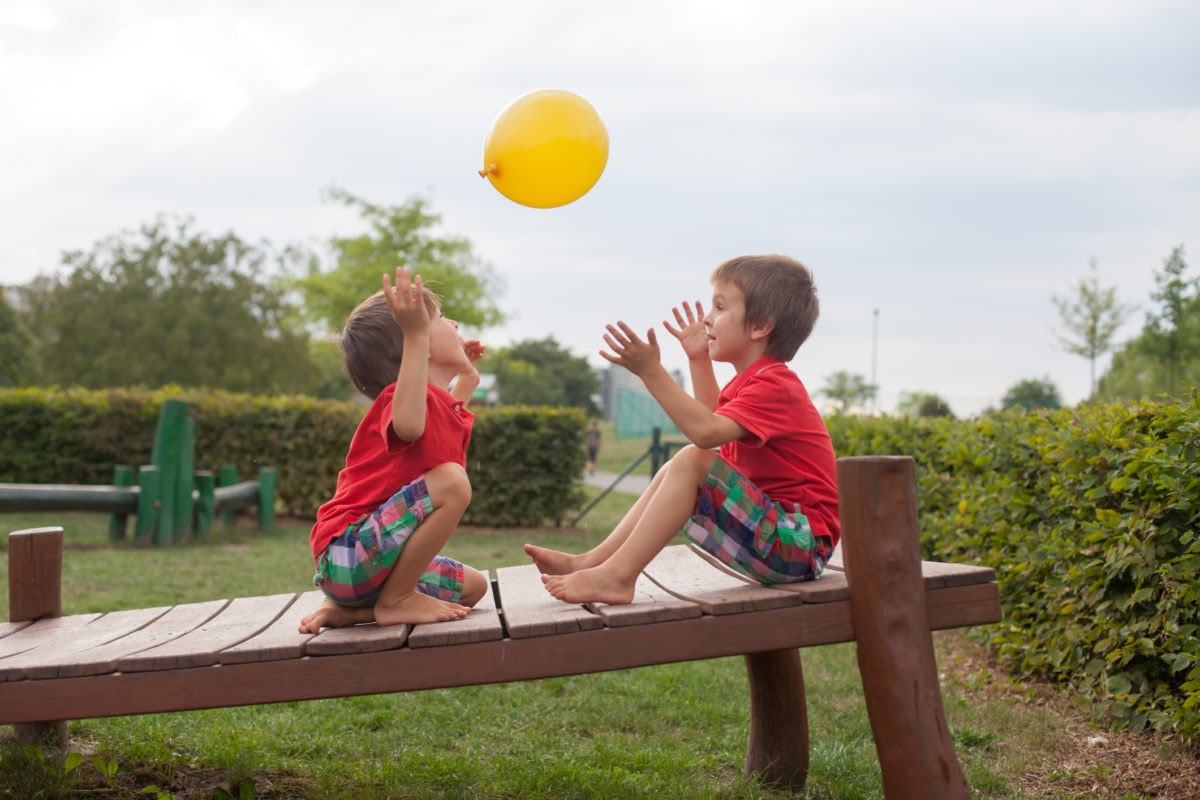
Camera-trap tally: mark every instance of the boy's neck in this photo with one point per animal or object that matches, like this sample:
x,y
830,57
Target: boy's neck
x,y
755,352
440,377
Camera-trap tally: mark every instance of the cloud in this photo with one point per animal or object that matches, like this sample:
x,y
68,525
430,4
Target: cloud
x,y
951,165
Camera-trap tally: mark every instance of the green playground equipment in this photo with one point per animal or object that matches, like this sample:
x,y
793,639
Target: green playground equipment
x,y
172,501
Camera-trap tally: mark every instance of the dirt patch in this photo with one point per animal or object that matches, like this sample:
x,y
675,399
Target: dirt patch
x,y
179,782
1086,761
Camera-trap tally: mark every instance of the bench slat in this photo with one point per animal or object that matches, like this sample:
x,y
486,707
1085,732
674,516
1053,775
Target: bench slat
x,y
685,575
173,624
481,625
940,573
239,620
830,587
281,639
651,603
937,573
370,638
46,662
12,627
529,610
43,632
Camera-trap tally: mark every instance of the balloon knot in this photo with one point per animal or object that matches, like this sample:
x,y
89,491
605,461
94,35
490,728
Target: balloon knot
x,y
491,170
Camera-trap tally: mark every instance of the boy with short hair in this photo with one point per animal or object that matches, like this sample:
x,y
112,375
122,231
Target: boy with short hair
x,y
404,488
766,503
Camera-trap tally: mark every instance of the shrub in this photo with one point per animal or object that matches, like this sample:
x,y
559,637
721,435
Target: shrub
x,y
1089,517
523,462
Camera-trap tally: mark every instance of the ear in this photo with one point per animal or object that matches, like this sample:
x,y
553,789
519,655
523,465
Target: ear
x,y
761,330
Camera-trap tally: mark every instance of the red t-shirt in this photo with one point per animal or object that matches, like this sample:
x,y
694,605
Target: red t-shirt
x,y
379,463
786,451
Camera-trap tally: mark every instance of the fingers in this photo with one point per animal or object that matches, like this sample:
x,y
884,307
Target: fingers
x,y
473,348
620,336
405,290
693,314
689,316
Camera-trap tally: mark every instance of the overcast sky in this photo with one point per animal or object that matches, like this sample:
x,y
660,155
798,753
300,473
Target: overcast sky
x,y
953,165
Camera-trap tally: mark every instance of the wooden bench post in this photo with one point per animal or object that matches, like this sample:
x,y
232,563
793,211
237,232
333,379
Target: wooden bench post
x,y
35,592
881,553
778,747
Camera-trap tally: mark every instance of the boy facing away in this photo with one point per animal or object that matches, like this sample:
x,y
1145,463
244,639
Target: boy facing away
x,y
766,503
404,488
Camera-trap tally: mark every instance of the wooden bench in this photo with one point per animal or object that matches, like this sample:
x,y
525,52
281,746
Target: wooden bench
x,y
247,651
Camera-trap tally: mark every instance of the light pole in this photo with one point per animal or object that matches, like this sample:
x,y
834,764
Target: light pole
x,y
874,357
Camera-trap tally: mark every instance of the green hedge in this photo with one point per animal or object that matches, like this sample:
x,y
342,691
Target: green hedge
x,y
1090,518
523,462
524,465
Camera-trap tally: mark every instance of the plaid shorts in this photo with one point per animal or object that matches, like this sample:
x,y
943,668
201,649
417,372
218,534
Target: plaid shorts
x,y
742,528
354,566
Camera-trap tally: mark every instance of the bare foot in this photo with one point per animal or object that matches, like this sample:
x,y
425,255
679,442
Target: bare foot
x,y
334,615
415,608
593,585
553,562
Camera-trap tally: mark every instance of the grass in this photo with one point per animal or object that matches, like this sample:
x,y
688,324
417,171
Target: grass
x,y
674,731
617,454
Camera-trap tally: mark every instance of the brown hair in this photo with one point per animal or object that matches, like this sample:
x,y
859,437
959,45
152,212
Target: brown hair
x,y
372,343
778,290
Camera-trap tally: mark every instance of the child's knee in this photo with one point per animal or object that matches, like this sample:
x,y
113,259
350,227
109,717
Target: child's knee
x,y
475,586
449,486
694,461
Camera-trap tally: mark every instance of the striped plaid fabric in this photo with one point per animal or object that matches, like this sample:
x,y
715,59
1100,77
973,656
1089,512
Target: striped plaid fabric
x,y
739,526
353,568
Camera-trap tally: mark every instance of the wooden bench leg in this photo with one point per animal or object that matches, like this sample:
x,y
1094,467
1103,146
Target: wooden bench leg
x,y
778,747
35,592
881,550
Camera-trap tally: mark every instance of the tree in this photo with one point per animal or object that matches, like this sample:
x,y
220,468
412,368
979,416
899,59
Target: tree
x,y
1031,393
15,345
166,305
847,390
399,235
1091,318
923,404
1164,359
540,372
1166,337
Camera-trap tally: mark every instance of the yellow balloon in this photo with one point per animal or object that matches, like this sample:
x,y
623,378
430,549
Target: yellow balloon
x,y
546,149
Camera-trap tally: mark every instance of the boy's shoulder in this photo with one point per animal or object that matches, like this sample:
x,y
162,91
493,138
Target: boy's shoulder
x,y
772,383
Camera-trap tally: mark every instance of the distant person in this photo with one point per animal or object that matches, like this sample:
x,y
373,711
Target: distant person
x,y
766,504
404,488
592,444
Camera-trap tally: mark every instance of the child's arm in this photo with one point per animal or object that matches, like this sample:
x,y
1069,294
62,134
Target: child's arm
x,y
693,336
468,379
697,422
406,301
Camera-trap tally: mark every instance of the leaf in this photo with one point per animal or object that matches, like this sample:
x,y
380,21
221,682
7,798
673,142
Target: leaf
x,y
72,761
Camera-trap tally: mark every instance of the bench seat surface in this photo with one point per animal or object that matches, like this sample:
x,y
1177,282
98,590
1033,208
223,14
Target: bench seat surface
x,y
247,650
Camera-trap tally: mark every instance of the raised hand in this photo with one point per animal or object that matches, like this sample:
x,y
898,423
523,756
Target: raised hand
x,y
468,376
691,331
474,349
628,350
406,300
